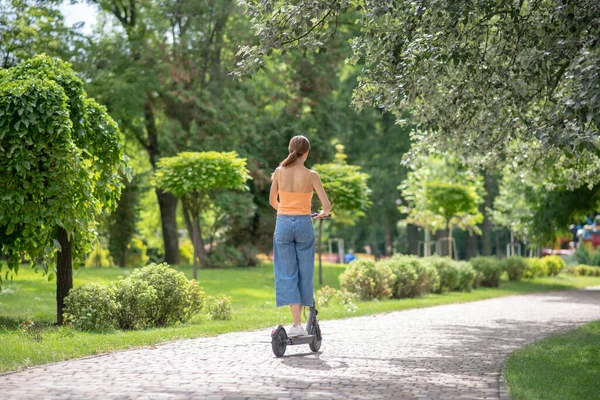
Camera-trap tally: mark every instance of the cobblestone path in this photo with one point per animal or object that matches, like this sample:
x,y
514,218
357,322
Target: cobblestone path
x,y
446,352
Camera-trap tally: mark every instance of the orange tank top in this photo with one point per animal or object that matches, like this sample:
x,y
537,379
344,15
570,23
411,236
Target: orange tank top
x,y
295,203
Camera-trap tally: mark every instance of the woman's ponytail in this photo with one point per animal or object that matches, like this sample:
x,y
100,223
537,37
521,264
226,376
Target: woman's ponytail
x,y
299,145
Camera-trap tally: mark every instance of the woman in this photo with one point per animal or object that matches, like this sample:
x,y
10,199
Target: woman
x,y
294,238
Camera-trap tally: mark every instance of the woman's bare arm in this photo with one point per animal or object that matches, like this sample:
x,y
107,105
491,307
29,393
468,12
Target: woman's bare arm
x,y
274,190
318,185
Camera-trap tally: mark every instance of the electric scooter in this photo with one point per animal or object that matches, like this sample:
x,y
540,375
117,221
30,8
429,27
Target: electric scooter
x,y
280,340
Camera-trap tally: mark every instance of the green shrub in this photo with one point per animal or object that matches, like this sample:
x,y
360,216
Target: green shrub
x,y
535,269
327,295
466,276
488,271
448,272
177,298
583,256
135,299
515,267
186,252
584,270
99,257
368,280
91,307
218,308
414,276
554,264
225,256
136,253
595,259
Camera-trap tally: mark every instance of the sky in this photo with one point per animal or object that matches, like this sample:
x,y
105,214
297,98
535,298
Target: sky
x,y
79,12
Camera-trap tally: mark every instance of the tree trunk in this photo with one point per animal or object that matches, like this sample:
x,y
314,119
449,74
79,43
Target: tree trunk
x,y
168,216
442,234
413,239
472,248
388,237
427,243
486,228
199,251
64,272
319,248
450,240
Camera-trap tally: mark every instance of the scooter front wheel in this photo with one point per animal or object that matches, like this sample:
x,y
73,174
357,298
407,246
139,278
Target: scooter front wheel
x,y
315,345
279,341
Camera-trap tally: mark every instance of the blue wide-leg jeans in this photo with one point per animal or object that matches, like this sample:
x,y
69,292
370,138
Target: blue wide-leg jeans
x,y
294,260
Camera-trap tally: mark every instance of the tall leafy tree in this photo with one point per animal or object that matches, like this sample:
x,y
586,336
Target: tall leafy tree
x,y
489,79
61,167
197,178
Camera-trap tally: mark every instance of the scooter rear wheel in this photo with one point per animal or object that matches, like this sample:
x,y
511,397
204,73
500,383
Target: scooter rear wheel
x,y
279,342
315,345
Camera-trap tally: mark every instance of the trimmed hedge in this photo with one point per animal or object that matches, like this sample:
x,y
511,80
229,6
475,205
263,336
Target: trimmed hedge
x,y
584,270
368,280
155,295
535,269
515,267
554,264
488,271
414,276
454,275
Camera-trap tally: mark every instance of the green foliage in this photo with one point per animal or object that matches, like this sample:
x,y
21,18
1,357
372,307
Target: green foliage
x,y
99,257
135,298
346,187
62,165
584,270
438,191
454,275
226,256
368,280
583,256
488,270
554,264
122,221
177,299
535,268
414,276
490,93
218,307
197,177
91,307
136,253
329,296
186,251
515,267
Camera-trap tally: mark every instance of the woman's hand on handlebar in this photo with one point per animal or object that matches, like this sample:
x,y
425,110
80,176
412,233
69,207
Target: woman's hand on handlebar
x,y
320,215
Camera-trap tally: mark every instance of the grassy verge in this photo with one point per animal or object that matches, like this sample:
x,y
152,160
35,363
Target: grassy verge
x,y
31,296
559,367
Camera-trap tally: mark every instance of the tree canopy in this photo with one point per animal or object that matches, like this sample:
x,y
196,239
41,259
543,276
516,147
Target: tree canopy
x,y
489,80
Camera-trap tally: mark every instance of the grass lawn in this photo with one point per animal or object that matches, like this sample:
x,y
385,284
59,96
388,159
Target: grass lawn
x,y
558,367
31,296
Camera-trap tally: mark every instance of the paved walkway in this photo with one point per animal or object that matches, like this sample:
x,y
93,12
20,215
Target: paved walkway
x,y
446,352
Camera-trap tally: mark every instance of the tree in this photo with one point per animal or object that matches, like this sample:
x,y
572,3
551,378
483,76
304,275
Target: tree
x,y
490,80
60,170
424,195
196,178
347,190
455,203
30,27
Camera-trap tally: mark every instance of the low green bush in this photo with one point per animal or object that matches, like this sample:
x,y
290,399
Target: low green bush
x,y
91,307
135,299
177,298
136,253
368,280
583,256
218,307
414,276
224,256
515,267
554,264
466,276
186,252
535,269
488,271
454,275
584,270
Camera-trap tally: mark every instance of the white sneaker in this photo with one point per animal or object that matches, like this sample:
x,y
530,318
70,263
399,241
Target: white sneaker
x,y
297,331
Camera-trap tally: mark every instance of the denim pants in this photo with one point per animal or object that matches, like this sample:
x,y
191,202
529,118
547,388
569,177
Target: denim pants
x,y
294,260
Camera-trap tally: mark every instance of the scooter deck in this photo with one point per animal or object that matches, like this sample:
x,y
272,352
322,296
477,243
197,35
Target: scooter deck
x,y
300,339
